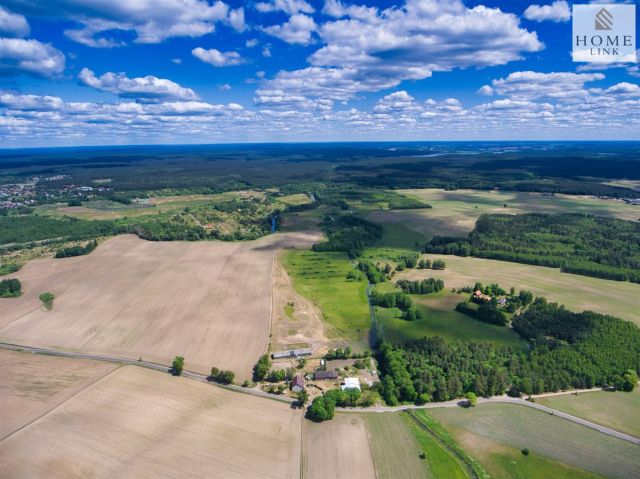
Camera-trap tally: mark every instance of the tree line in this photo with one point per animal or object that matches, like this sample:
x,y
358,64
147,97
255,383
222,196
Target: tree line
x,y
426,286
77,250
582,244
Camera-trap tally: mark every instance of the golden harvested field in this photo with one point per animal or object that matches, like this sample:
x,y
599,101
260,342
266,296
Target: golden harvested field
x,y
454,213
577,293
207,301
337,449
32,385
137,423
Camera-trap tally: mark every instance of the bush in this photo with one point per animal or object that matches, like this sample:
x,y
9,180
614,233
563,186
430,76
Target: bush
x,y
261,368
10,288
525,451
221,376
47,300
177,366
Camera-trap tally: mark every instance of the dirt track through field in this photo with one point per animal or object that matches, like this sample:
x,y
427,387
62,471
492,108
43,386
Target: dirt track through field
x,y
207,301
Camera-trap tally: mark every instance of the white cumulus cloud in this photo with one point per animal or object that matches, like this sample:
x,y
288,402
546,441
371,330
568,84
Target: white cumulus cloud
x,y
556,12
18,55
12,24
148,88
290,7
297,29
217,58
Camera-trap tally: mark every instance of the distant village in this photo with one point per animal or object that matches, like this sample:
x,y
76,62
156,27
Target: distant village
x,y
35,191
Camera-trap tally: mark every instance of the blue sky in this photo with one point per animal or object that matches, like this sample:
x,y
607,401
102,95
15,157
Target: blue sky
x,y
91,72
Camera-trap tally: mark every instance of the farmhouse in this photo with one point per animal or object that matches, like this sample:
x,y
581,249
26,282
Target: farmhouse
x,y
350,383
477,294
293,353
318,375
297,384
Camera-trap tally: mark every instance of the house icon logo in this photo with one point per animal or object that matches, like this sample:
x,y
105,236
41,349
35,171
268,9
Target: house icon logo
x,y
604,20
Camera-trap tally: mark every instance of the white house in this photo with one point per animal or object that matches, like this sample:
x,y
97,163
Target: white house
x,y
350,383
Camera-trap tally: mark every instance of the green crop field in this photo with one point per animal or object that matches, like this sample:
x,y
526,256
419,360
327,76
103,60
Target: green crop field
x,y
487,429
440,319
441,463
454,213
321,277
394,448
577,293
619,410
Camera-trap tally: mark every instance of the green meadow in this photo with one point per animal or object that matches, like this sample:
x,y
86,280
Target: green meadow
x,y
495,433
440,319
321,277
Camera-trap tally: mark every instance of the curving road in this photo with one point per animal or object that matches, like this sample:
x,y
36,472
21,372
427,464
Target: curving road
x,y
507,400
372,409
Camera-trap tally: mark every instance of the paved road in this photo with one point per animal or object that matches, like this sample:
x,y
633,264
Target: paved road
x,y
374,409
507,400
144,364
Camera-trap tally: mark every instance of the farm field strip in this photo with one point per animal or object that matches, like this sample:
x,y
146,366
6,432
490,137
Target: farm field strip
x,y
337,449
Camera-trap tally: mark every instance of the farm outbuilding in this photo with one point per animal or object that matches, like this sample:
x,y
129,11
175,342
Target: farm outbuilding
x,y
318,375
292,353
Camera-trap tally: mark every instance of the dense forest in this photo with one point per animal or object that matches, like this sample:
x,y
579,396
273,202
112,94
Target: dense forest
x,y
567,350
349,234
398,300
25,229
582,244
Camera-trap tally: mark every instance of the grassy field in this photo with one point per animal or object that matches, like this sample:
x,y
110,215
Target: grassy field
x,y
204,301
145,424
321,277
486,430
439,462
576,292
394,448
620,410
454,213
440,319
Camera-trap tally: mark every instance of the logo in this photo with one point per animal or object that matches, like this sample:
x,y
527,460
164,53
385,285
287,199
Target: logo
x,y
604,33
604,20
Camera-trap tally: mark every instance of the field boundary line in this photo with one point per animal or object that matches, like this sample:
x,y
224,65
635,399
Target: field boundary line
x,y
62,403
467,465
